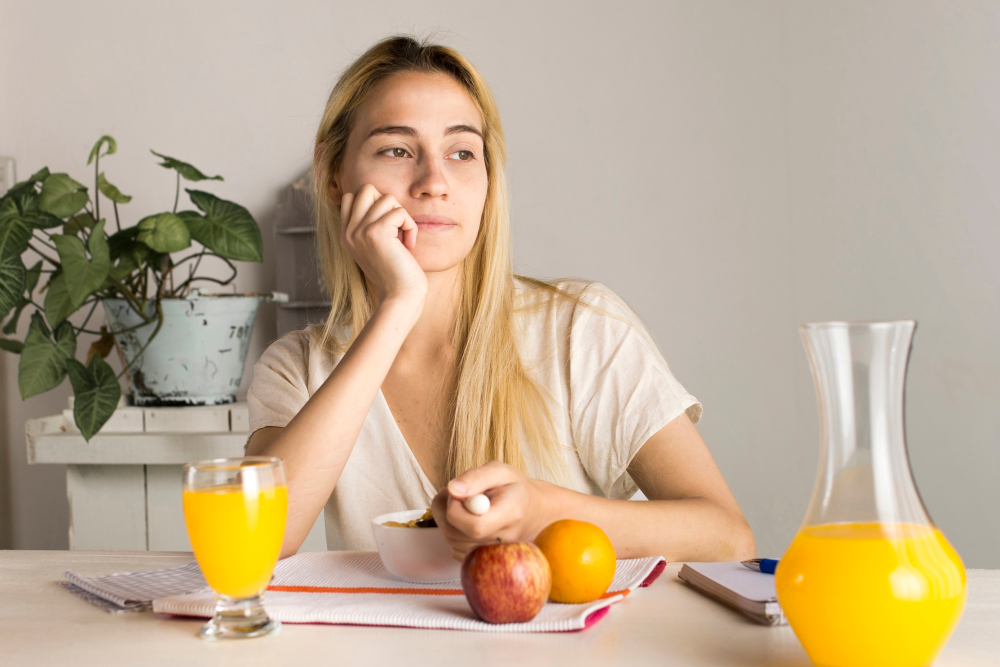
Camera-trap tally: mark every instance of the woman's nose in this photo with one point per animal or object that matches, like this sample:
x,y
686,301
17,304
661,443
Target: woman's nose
x,y
429,180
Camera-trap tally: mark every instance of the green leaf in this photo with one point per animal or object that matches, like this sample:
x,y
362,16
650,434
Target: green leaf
x,y
130,261
110,191
66,340
21,189
31,215
42,365
58,305
122,241
95,394
164,232
34,273
24,206
226,228
187,171
8,209
106,139
14,236
40,175
11,326
14,346
83,276
62,196
79,222
12,279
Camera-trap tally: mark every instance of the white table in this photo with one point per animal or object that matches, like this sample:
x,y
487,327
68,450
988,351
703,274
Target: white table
x,y
666,625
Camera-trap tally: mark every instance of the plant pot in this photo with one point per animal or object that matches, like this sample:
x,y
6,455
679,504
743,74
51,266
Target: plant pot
x,y
198,356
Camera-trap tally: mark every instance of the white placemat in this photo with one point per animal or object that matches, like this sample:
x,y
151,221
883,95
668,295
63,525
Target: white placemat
x,y
353,588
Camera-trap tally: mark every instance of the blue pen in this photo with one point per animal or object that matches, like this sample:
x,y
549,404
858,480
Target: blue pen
x,y
765,565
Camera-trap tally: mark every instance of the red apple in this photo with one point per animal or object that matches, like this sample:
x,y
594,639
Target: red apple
x,y
507,582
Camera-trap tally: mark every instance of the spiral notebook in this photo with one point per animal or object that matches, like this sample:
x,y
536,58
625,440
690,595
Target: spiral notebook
x,y
748,592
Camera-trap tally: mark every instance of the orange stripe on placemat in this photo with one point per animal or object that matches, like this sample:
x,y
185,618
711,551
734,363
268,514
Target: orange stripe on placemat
x,y
382,591
394,591
611,594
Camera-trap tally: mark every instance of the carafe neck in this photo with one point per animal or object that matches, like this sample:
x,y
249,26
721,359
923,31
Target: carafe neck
x,y
864,471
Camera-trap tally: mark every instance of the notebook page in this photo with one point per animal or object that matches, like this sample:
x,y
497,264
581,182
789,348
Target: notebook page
x,y
744,582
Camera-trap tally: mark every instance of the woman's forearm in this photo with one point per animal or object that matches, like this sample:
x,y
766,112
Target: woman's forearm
x,y
316,444
688,529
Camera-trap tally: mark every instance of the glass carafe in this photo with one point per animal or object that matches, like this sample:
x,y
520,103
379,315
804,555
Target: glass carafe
x,y
869,579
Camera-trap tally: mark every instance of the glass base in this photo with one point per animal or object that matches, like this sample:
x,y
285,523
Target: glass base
x,y
239,619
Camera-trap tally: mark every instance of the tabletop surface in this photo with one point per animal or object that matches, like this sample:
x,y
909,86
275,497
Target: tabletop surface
x,y
666,624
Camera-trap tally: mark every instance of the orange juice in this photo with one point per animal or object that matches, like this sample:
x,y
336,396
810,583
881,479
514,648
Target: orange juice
x,y
236,536
858,594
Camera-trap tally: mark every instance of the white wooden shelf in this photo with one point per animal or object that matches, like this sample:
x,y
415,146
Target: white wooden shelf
x,y
124,486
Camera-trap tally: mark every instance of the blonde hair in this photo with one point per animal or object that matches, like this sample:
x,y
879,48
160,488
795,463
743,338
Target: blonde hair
x,y
496,401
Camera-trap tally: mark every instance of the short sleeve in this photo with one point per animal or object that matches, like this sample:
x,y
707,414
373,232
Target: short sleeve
x,y
621,389
279,387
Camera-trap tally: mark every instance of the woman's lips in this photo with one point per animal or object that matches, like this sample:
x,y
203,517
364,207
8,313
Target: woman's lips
x,y
434,223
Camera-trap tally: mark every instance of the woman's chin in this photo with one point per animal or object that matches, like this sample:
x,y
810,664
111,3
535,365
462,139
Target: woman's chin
x,y
435,261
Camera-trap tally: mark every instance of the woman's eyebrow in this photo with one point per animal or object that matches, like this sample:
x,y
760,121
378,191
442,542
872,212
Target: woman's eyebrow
x,y
393,129
411,132
455,129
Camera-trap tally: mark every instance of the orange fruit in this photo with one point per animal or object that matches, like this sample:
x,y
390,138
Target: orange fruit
x,y
581,558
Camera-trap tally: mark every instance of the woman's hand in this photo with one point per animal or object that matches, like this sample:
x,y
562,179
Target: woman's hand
x,y
379,234
517,508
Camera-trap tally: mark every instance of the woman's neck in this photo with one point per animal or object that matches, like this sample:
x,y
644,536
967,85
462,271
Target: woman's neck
x,y
432,334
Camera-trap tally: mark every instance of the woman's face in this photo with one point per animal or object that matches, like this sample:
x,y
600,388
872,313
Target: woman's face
x,y
418,137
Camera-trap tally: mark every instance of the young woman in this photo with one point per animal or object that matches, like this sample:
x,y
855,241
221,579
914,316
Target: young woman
x,y
440,374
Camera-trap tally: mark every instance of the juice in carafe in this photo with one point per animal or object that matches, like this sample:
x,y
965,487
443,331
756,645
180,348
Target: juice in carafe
x,y
236,536
867,593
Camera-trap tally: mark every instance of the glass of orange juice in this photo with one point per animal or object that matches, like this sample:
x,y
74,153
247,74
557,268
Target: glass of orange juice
x,y
235,513
869,580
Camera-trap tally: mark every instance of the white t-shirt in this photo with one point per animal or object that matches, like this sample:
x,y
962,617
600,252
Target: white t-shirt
x,y
610,390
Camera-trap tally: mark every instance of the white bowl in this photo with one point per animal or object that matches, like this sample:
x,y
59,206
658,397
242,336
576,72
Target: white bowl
x,y
414,554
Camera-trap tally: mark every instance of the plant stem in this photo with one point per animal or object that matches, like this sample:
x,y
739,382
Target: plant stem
x,y
97,192
165,270
45,257
92,309
117,222
38,238
177,195
127,293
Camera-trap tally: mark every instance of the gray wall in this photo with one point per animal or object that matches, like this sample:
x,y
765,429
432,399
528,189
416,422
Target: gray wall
x,y
730,168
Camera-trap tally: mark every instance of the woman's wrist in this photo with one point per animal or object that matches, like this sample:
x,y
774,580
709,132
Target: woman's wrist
x,y
549,505
403,309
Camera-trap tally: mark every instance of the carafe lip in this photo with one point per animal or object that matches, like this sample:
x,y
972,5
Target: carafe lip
x,y
849,324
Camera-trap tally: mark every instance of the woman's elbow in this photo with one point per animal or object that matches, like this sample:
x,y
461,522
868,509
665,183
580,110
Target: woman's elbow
x,y
741,544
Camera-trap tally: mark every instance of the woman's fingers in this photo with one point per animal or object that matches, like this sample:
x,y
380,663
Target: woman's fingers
x,y
360,204
370,208
409,232
346,205
481,479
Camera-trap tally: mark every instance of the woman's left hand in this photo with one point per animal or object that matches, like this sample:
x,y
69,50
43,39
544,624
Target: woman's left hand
x,y
517,508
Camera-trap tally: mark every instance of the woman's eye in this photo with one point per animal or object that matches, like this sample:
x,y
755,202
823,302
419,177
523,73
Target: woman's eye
x,y
395,152
463,156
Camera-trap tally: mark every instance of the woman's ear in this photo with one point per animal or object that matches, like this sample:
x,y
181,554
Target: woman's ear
x,y
336,194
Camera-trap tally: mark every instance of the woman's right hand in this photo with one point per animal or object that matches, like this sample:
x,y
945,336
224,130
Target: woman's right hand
x,y
379,234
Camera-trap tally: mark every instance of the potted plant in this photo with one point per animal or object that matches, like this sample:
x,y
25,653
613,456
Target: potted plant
x,y
140,277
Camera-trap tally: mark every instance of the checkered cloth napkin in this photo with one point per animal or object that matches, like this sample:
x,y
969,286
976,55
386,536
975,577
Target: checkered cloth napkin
x,y
353,588
135,591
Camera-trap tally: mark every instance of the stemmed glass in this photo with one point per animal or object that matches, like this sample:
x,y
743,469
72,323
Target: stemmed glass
x,y
235,513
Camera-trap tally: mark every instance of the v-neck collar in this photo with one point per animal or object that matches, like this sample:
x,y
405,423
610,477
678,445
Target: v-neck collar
x,y
400,441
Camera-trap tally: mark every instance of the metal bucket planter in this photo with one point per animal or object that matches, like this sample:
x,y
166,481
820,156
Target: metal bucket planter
x,y
197,358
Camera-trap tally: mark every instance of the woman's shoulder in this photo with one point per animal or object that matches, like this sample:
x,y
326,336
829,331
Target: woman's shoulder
x,y
576,300
298,348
